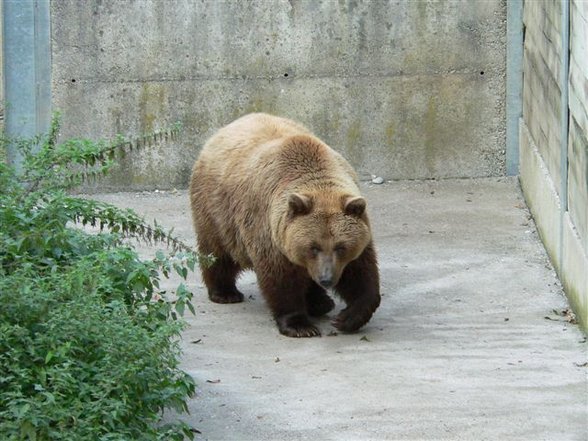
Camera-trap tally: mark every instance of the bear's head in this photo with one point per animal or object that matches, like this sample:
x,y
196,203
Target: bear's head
x,y
325,231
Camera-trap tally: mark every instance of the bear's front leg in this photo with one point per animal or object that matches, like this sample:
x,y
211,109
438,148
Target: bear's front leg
x,y
359,287
286,297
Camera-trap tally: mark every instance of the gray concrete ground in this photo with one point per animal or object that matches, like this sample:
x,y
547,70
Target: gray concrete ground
x,y
470,342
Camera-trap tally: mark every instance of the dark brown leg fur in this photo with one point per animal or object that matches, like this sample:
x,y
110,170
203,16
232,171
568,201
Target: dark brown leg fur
x,y
286,298
318,302
359,287
220,280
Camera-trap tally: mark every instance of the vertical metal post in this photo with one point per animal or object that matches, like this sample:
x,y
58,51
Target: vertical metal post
x,y
514,82
26,43
564,120
564,110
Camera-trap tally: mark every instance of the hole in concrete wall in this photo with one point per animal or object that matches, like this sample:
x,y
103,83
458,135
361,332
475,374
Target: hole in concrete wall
x,y
286,75
73,80
482,72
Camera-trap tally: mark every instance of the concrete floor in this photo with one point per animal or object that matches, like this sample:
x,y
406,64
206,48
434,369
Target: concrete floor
x,y
470,342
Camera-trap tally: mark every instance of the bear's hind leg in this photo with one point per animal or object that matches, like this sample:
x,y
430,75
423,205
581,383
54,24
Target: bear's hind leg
x,y
220,279
318,302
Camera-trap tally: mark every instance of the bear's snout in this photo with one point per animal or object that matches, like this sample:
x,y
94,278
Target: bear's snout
x,y
326,276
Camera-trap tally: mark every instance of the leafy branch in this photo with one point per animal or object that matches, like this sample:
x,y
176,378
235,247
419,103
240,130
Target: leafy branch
x,y
67,165
51,168
90,341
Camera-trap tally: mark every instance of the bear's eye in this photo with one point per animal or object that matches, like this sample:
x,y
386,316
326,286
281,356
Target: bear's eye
x,y
340,249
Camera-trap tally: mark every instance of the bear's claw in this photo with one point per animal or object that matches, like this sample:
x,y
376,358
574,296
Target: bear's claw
x,y
233,296
297,325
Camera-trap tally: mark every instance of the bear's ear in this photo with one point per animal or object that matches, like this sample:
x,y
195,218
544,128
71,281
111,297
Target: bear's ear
x,y
299,204
354,205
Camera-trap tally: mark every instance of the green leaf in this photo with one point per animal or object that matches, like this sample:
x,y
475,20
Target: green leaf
x,y
180,306
27,431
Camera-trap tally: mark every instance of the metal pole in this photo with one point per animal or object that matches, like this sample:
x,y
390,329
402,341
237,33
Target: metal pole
x,y
26,43
564,121
514,82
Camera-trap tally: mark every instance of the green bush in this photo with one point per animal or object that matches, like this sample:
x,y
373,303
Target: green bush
x,y
88,344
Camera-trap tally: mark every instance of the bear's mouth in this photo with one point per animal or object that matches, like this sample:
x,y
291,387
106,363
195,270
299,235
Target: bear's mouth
x,y
326,283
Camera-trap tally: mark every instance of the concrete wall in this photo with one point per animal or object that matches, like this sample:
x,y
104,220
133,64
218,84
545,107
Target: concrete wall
x,y
554,146
404,89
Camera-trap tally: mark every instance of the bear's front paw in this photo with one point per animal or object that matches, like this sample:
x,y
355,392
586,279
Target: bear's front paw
x,y
296,325
230,296
351,319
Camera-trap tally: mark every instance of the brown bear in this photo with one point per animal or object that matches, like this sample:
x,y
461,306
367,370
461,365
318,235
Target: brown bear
x,y
268,195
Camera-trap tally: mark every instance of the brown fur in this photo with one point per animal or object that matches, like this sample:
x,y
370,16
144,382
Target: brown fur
x,y
267,195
